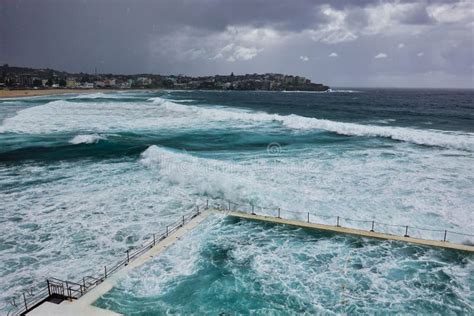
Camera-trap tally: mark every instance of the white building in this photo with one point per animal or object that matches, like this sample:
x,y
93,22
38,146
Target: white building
x,y
87,85
99,84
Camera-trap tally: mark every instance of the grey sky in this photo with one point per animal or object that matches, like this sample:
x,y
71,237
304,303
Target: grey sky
x,y
418,43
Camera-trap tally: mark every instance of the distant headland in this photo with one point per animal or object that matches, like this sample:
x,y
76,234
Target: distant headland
x,y
30,78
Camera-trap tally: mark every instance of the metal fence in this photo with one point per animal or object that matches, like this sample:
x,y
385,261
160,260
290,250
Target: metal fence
x,y
75,289
372,225
65,289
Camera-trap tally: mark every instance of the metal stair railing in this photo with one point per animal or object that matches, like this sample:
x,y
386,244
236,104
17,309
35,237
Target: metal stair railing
x,y
64,289
74,290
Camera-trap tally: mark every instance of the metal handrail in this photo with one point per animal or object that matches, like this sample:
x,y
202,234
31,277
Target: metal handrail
x,y
30,300
279,211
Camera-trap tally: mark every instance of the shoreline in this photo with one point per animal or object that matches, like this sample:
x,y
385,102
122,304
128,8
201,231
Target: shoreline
x,y
43,92
6,94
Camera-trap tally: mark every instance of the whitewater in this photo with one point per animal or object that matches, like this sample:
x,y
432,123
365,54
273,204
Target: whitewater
x,y
82,178
171,114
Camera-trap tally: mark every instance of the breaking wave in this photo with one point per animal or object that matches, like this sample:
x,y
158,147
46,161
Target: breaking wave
x,y
268,183
114,203
182,101
87,139
205,177
98,95
453,140
159,113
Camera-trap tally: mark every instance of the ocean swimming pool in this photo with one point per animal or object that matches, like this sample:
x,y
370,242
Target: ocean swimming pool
x,y
233,266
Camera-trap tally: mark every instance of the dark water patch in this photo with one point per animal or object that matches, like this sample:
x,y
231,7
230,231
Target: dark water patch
x,y
17,185
445,109
30,227
15,219
52,148
100,150
6,245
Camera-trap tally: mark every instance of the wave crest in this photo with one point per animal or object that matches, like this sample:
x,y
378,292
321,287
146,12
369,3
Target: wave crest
x,y
163,113
205,177
86,139
438,138
98,95
453,140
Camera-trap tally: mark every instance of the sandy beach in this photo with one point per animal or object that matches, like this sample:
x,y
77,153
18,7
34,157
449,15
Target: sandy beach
x,y
40,92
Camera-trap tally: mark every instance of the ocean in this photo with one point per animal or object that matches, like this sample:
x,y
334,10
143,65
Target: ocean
x,y
85,177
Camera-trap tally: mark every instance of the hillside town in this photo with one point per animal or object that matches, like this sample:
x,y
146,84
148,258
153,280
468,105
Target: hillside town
x,y
30,78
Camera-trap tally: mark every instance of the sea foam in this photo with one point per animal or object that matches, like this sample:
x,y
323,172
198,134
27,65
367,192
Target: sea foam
x,y
98,95
96,209
159,113
214,178
268,183
454,140
87,139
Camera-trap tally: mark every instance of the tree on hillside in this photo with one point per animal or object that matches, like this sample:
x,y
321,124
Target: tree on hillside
x,y
37,83
11,82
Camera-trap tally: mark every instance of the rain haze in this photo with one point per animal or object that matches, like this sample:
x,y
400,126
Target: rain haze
x,y
341,43
236,157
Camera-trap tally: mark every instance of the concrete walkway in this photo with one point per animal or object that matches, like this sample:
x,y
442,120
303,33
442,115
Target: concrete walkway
x,y
83,306
357,232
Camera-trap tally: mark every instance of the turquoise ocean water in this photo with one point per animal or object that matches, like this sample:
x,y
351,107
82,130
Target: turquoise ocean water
x,y
84,177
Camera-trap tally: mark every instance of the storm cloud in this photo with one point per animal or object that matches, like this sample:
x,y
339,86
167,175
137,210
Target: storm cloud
x,y
423,43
